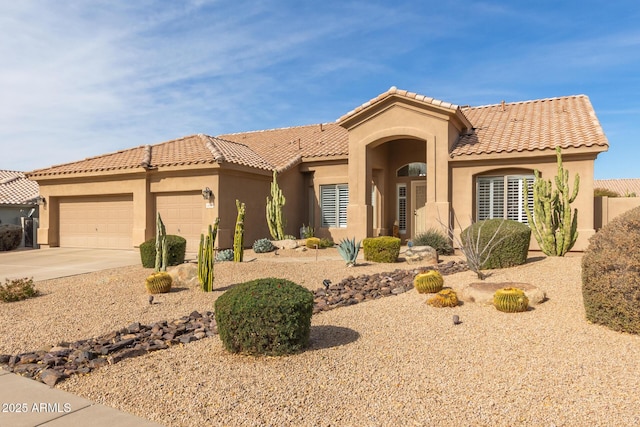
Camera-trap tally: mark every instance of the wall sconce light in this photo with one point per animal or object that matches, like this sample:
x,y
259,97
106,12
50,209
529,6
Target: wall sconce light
x,y
207,193
40,200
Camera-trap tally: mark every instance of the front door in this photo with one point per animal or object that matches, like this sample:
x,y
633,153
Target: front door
x,y
418,201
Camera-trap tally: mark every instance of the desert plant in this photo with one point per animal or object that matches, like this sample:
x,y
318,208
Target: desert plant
x,y
510,300
428,282
206,257
176,248
436,239
161,245
348,250
326,242
159,282
500,243
238,235
262,246
551,220
610,278
265,316
10,236
224,255
275,217
307,231
600,192
17,290
312,242
444,298
381,249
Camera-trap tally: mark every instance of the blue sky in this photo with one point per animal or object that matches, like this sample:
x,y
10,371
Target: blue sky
x,y
82,78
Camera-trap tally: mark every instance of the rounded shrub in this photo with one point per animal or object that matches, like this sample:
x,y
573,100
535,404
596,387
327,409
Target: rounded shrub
x,y
177,246
265,316
313,242
436,239
381,249
225,255
610,274
261,246
10,237
510,244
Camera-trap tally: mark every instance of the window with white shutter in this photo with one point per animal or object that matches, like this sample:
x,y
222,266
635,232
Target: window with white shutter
x,y
333,205
494,202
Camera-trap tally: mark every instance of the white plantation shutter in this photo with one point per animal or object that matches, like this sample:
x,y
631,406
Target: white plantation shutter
x,y
493,199
515,197
490,197
333,205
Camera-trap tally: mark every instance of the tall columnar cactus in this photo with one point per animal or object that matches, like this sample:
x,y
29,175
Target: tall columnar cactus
x,y
207,256
238,236
552,222
162,249
275,217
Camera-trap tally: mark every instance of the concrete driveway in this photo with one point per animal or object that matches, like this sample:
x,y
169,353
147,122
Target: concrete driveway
x,y
43,264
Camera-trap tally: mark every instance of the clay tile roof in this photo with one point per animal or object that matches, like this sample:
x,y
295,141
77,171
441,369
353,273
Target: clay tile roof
x,y
621,186
531,125
398,92
194,149
16,189
282,147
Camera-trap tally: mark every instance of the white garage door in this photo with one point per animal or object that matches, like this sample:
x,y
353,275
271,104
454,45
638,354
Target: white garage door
x,y
182,215
97,222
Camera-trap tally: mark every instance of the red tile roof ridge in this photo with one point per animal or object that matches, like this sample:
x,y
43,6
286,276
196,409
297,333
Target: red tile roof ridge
x,y
555,98
272,130
399,92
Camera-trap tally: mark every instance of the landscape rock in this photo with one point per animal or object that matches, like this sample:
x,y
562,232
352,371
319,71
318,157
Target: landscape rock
x,y
422,255
482,292
184,275
285,244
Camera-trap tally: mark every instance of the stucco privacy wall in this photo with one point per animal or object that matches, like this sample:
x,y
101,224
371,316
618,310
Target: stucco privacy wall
x,y
607,208
463,186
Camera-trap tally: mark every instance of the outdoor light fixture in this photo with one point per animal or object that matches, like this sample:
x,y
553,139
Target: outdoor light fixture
x,y
207,193
40,200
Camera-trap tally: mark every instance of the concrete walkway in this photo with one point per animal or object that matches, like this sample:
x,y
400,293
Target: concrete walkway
x,y
29,403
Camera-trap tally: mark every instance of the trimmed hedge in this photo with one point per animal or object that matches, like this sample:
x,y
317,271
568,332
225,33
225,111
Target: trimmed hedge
x,y
381,249
265,316
10,236
513,237
610,274
177,247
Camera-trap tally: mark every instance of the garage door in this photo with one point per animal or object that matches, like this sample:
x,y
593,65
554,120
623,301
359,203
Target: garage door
x,y
97,222
182,215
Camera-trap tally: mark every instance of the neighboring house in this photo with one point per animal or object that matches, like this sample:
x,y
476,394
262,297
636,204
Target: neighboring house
x,y
19,199
399,158
625,187
607,208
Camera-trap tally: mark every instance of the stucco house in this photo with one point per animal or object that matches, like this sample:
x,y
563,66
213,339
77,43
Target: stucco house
x,y
400,157
19,198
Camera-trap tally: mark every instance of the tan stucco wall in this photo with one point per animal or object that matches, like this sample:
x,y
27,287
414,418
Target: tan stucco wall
x,y
463,187
607,208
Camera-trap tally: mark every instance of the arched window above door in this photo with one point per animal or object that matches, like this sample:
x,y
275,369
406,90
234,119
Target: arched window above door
x,y
413,169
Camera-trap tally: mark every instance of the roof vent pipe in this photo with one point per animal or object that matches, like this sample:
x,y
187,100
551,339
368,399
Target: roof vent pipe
x,y
502,106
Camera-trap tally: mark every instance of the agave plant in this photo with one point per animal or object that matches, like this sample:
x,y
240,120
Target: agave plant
x,y
348,250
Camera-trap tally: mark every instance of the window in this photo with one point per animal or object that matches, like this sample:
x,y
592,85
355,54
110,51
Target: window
x,y
503,197
333,205
401,208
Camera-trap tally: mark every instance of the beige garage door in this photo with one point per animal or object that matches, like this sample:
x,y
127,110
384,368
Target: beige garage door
x,y
97,222
182,215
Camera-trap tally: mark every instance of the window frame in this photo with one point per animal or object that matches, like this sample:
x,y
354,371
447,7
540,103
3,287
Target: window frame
x,y
510,190
334,199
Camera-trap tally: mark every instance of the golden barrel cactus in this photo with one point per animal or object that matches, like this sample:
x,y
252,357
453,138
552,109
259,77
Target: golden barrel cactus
x,y
510,300
159,283
444,298
429,282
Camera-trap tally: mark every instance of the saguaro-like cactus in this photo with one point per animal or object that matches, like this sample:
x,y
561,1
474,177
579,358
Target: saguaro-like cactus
x,y
275,217
207,256
238,235
162,249
552,222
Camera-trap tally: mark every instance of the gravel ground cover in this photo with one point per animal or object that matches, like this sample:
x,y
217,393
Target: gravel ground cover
x,y
392,361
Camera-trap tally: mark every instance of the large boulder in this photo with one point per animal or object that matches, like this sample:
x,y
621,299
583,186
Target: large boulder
x,y
421,255
184,275
285,244
482,292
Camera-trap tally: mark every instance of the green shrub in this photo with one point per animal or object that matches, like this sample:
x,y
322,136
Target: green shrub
x,y
599,192
265,316
610,274
326,243
10,236
177,247
512,239
17,290
436,239
381,249
224,255
261,246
